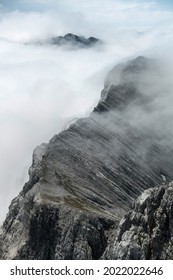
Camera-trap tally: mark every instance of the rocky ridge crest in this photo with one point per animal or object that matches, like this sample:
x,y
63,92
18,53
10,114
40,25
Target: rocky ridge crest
x,y
87,177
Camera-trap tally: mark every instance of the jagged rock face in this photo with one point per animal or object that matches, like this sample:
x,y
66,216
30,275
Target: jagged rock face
x,y
146,232
52,232
86,178
75,41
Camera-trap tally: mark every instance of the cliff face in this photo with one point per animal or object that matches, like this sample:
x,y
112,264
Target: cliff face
x,y
146,232
86,178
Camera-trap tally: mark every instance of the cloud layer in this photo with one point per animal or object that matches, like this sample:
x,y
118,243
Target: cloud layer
x,y
43,87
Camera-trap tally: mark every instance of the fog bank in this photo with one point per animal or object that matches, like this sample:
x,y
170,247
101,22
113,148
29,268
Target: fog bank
x,y
44,87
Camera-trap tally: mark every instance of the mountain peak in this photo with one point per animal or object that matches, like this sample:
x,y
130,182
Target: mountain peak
x,y
74,40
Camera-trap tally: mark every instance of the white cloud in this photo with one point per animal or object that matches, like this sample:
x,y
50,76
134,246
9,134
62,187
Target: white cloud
x,y
103,18
43,87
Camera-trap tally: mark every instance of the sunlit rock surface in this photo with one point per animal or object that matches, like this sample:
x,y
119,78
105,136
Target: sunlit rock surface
x,y
87,177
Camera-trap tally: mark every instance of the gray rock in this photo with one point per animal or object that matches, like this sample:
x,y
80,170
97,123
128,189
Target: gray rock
x,y
86,178
75,41
71,41
146,232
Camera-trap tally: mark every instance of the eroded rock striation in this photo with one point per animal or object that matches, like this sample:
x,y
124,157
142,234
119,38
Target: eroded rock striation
x,y
87,177
146,232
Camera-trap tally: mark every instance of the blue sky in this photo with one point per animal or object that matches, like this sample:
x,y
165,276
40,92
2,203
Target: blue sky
x,y
31,5
165,3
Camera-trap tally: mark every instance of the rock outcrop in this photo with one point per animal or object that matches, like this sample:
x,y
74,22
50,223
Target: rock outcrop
x,y
70,41
87,177
74,41
146,232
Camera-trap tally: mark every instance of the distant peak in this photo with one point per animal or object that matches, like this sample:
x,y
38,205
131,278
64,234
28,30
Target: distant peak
x,y
74,40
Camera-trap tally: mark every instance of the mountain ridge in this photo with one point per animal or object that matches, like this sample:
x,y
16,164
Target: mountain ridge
x,y
87,177
71,41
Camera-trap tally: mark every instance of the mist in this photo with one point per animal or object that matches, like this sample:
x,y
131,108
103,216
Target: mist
x,y
44,88
148,116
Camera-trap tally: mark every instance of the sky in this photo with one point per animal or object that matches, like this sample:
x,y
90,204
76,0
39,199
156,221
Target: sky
x,y
166,3
43,88
40,4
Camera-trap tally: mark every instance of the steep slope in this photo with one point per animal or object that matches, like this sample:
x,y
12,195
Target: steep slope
x,y
146,232
86,178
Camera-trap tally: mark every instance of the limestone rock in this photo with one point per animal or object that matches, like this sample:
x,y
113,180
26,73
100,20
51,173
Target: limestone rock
x,y
87,177
146,232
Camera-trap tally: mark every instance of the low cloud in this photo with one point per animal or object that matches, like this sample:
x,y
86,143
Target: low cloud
x,y
44,87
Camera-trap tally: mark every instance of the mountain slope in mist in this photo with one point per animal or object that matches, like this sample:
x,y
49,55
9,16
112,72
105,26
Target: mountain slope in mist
x,y
72,41
86,178
75,40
